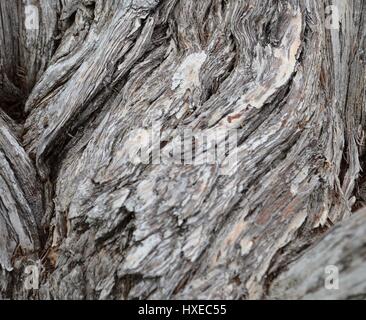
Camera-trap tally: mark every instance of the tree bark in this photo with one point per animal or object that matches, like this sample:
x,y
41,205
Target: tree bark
x,y
288,79
343,248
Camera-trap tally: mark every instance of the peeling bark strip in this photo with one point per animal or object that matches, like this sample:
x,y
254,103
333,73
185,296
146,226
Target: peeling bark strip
x,y
20,200
344,249
79,77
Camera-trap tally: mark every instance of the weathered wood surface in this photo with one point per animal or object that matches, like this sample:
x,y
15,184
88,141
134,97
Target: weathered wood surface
x,y
344,247
96,70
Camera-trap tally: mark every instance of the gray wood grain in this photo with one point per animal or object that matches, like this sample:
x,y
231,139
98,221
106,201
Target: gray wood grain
x,y
96,70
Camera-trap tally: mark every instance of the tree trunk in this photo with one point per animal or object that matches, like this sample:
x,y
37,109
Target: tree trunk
x,y
81,87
